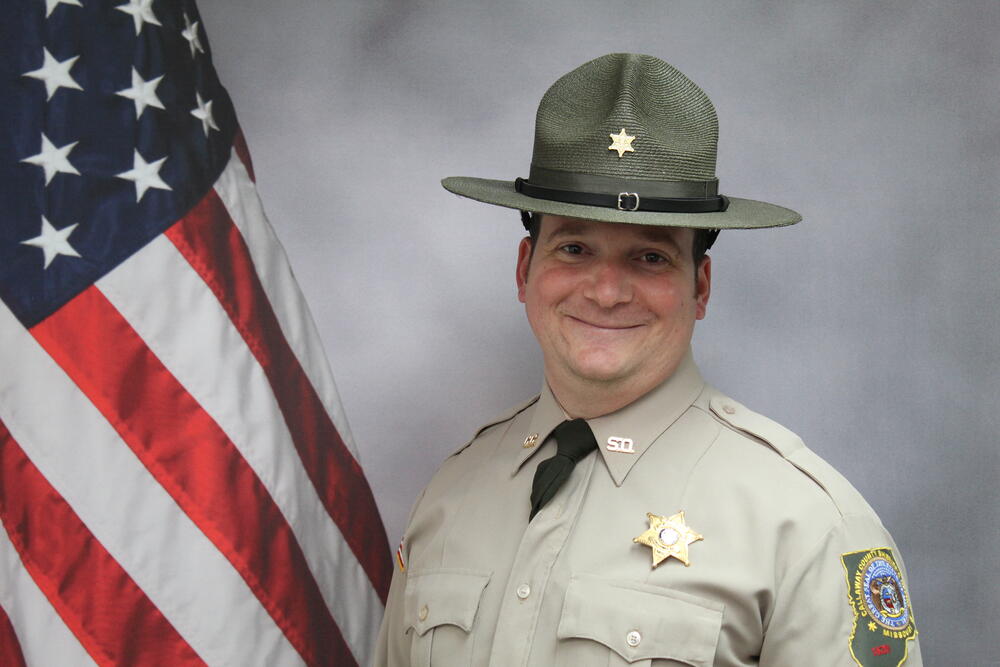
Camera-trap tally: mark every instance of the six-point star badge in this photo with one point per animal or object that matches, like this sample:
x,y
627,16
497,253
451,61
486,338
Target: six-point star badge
x,y
668,536
621,142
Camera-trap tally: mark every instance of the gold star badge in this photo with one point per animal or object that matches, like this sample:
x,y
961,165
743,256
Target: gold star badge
x,y
621,142
668,536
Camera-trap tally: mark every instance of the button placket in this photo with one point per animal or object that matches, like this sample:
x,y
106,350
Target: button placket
x,y
540,546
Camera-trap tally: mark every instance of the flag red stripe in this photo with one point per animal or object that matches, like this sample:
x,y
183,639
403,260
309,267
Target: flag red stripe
x,y
195,462
89,590
240,146
213,245
10,648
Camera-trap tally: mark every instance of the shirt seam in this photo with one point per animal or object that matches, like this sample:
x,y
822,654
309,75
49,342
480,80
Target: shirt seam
x,y
802,563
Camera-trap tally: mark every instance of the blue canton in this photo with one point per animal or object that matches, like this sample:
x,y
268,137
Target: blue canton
x,y
114,126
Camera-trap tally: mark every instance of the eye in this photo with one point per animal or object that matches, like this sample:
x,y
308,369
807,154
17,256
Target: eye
x,y
654,258
572,248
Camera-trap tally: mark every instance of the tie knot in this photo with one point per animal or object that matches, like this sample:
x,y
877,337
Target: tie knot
x,y
574,439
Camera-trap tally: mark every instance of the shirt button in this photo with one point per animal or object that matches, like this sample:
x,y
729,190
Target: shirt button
x,y
422,614
729,410
633,638
523,591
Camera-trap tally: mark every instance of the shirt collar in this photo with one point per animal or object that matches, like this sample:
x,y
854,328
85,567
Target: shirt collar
x,y
640,422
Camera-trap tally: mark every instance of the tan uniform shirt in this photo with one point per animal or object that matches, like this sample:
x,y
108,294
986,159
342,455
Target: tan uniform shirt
x,y
768,584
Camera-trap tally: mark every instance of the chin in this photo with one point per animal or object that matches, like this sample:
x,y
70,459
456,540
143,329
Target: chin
x,y
599,369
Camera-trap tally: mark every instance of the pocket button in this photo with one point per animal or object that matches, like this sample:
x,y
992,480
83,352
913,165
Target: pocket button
x,y
633,638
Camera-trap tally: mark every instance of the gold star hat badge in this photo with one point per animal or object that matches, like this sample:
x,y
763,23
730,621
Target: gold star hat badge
x,y
668,536
621,142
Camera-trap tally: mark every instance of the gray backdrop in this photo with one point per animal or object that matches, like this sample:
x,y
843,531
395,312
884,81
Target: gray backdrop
x,y
870,328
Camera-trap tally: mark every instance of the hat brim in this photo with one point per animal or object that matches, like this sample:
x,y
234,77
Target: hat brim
x,y
741,213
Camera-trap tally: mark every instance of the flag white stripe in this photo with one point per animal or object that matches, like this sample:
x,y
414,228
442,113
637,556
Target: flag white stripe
x,y
239,195
129,513
40,632
209,357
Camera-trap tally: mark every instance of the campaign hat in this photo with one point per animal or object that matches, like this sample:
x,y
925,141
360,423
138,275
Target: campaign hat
x,y
626,138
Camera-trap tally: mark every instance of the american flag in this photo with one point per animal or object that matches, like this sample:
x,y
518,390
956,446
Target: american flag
x,y
177,481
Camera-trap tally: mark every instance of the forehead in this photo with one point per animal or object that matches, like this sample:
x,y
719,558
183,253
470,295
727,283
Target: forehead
x,y
556,226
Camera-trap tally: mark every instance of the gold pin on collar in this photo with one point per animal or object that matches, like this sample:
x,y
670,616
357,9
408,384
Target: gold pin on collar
x,y
668,536
530,441
621,142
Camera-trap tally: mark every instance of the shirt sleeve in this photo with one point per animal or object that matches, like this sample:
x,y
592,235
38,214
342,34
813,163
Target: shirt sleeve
x,y
845,603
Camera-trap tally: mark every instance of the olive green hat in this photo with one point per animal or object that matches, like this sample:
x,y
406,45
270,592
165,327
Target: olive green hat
x,y
626,138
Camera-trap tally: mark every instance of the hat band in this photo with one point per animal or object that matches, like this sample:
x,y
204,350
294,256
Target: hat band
x,y
558,179
625,201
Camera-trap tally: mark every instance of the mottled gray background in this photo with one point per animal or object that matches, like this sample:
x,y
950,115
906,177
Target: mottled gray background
x,y
870,328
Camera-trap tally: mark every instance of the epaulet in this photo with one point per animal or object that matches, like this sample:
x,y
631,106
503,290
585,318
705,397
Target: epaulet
x,y
790,446
510,414
507,416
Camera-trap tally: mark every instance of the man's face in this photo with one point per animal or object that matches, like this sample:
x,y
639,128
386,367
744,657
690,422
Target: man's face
x,y
613,305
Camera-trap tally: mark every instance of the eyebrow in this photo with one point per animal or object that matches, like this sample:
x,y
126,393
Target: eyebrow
x,y
652,234
660,235
568,228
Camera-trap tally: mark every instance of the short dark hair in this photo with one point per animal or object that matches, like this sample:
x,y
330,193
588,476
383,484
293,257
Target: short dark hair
x,y
703,238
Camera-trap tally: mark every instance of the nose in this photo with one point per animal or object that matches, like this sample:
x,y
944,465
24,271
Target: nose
x,y
609,284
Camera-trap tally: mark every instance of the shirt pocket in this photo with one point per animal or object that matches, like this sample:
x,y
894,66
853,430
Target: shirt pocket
x,y
440,608
609,622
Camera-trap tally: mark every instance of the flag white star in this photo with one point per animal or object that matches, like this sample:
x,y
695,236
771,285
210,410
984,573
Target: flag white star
x,y
190,33
54,160
145,175
54,73
51,5
141,11
53,242
143,93
203,112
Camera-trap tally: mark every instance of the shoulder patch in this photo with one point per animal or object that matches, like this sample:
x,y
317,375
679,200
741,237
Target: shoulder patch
x,y
510,414
883,619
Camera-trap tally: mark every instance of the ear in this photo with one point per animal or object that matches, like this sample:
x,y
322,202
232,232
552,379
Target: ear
x,y
523,260
703,287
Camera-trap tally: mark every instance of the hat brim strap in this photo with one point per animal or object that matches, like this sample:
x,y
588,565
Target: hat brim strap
x,y
625,201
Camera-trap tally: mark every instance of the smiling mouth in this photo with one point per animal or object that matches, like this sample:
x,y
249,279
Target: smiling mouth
x,y
605,327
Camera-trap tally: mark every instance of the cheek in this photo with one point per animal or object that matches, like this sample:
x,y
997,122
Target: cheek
x,y
547,288
670,301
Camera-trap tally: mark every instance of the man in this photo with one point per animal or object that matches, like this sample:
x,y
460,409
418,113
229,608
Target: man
x,y
699,533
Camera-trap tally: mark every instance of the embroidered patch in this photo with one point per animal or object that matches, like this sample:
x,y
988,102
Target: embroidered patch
x,y
883,619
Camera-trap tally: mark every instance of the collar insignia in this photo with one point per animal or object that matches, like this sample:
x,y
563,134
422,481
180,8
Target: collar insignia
x,y
623,445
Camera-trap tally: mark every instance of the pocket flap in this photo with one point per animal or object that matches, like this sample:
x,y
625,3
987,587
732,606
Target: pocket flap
x,y
443,597
641,622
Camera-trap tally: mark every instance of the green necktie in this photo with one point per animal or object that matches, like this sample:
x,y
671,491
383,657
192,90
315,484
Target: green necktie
x,y
574,440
